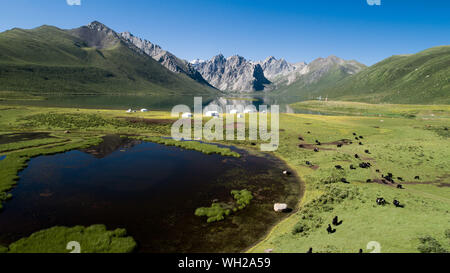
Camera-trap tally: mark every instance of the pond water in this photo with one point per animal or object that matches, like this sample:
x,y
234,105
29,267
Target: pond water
x,y
151,190
2,157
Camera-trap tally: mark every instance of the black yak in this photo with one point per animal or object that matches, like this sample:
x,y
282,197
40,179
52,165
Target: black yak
x,y
336,221
397,204
380,201
330,229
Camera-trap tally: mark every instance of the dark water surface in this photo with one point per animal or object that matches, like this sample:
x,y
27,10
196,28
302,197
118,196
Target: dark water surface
x,y
124,102
151,190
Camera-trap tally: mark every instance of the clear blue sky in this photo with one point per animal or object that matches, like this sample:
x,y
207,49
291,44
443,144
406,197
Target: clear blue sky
x,y
297,30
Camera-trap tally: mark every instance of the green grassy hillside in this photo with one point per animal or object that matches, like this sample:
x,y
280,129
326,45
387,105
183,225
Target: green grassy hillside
x,y
322,74
51,60
305,89
422,78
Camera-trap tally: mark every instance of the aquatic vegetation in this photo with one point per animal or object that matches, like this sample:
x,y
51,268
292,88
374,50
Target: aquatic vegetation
x,y
93,239
242,198
216,212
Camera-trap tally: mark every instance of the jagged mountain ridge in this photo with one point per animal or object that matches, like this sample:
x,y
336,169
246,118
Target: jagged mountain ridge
x,y
100,36
164,57
235,73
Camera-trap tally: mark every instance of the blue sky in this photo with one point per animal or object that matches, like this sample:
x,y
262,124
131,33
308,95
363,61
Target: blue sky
x,y
299,30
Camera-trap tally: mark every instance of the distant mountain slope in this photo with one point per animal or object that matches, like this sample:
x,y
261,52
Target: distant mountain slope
x,y
234,73
321,74
90,59
421,78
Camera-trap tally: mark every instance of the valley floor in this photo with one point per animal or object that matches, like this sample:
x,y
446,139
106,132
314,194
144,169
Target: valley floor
x,y
406,146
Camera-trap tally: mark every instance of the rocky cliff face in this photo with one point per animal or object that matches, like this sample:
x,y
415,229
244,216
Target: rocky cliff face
x,y
234,73
164,57
100,36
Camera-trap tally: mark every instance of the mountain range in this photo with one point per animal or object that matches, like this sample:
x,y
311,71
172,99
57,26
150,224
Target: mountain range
x,y
95,59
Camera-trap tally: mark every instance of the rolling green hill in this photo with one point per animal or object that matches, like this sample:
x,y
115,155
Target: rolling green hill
x,y
422,78
51,60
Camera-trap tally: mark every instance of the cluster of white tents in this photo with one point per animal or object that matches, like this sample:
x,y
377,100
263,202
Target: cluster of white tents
x,y
215,114
134,111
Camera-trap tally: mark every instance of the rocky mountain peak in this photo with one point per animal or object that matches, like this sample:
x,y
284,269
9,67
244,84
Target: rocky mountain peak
x,y
96,25
234,73
97,35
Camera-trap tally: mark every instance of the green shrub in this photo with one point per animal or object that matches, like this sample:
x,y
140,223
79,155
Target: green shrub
x,y
429,244
242,197
216,212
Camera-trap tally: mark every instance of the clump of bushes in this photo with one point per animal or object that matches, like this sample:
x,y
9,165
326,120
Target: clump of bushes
x,y
242,198
429,244
334,177
216,212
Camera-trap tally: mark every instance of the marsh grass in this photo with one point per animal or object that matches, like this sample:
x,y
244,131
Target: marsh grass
x,y
93,239
29,144
378,110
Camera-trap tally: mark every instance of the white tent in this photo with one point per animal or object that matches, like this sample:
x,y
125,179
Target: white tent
x,y
186,115
144,110
212,114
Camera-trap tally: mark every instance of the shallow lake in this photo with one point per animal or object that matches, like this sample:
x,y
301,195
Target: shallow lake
x,y
111,101
151,190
